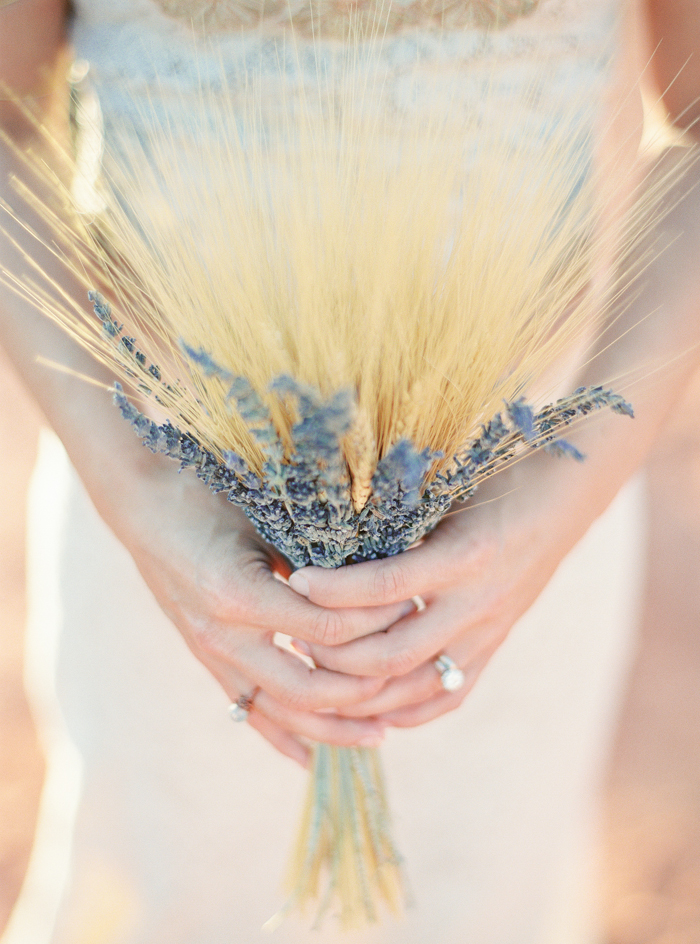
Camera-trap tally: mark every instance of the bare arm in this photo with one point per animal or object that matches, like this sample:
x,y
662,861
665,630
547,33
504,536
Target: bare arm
x,y
201,558
674,34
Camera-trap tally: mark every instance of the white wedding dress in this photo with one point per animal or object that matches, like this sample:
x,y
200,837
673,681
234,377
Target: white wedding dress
x,y
164,823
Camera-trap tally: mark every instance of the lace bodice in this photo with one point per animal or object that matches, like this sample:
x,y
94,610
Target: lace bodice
x,y
336,15
221,16
147,45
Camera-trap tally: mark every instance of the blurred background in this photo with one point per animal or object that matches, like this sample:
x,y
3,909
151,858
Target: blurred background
x,y
652,816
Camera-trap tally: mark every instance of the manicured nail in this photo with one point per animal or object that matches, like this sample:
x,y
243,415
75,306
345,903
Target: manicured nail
x,y
301,647
299,583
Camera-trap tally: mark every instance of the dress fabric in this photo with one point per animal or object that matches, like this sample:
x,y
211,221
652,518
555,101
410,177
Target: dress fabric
x,y
162,822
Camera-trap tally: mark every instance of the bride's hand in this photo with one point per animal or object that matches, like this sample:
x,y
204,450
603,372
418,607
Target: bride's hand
x,y
478,572
215,578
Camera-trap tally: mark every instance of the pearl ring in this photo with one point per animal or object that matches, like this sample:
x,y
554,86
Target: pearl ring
x,y
239,710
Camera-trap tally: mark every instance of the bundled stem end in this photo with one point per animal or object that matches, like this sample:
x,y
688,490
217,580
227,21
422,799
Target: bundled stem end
x,y
344,860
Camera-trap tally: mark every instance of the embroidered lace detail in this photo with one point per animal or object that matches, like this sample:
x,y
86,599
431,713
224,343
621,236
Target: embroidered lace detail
x,y
143,59
338,17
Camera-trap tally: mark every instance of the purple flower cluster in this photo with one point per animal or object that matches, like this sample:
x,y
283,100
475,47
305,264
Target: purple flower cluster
x,y
301,500
301,504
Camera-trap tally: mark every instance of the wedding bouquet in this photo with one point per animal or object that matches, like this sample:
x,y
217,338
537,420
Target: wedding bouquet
x,y
345,315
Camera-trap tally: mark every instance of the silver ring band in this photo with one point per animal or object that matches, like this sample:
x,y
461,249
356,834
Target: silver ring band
x,y
451,676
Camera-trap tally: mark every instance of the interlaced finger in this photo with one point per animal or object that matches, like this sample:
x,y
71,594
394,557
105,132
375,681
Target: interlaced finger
x,y
412,641
412,715
283,726
296,685
270,604
447,557
320,726
239,689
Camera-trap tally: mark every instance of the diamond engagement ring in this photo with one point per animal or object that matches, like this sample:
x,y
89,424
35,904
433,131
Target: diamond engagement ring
x,y
239,710
451,675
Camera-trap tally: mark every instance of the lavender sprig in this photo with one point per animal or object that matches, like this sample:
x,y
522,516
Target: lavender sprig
x,y
303,506
301,501
137,364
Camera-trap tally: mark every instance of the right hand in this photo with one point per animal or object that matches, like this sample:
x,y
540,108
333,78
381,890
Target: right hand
x,y
215,579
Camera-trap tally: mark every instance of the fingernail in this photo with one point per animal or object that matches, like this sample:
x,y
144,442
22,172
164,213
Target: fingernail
x,y
301,647
371,740
408,608
299,584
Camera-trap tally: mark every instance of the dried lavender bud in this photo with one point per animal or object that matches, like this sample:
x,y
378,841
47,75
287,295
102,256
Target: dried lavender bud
x,y
560,447
401,473
235,463
256,416
522,418
103,310
126,345
123,404
303,506
583,401
287,388
618,405
204,361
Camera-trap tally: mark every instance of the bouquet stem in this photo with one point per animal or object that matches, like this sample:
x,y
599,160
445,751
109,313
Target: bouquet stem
x,y
344,858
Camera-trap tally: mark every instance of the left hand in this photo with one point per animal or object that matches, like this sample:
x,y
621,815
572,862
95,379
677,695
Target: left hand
x,y
478,572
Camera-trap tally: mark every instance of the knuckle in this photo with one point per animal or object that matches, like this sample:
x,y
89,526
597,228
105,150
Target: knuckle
x,y
239,597
494,610
219,595
297,698
328,628
243,594
227,607
485,550
400,661
252,568
208,638
388,583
